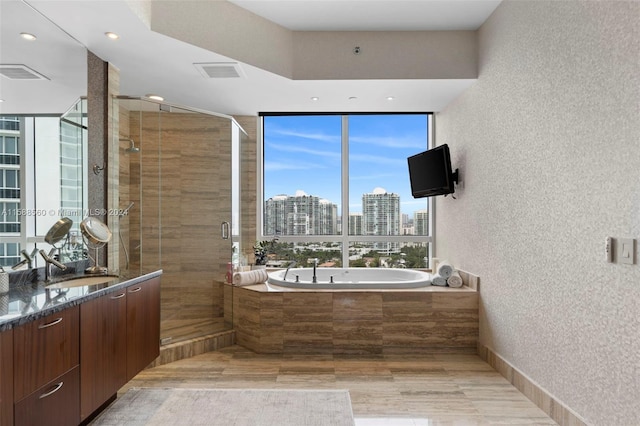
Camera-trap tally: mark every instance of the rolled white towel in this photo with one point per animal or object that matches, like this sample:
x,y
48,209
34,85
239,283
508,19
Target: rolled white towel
x,y
256,276
444,269
455,280
438,280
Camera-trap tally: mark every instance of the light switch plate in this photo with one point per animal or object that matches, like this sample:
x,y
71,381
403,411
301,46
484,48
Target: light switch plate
x,y
626,250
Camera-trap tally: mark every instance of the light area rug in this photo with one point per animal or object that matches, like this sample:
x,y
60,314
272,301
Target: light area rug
x,y
229,407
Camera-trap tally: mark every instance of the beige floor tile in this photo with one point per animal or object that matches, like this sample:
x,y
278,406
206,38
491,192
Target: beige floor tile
x,y
385,390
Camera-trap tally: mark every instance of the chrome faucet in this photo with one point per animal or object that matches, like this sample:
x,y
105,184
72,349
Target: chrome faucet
x,y
293,263
28,260
49,260
314,280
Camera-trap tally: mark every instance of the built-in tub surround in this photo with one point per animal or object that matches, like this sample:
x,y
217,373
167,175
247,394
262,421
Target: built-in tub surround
x,y
367,321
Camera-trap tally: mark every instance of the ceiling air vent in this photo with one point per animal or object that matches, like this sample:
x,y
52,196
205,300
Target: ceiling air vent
x,y
220,70
20,72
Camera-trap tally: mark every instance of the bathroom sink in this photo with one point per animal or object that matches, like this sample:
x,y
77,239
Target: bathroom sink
x,y
82,281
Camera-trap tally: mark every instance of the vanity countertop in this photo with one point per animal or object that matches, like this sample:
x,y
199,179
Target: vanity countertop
x,y
30,301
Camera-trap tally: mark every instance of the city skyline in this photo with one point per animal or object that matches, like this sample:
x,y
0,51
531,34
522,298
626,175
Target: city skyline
x,y
307,214
301,193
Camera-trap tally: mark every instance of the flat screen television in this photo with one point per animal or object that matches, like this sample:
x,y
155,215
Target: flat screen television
x,y
430,173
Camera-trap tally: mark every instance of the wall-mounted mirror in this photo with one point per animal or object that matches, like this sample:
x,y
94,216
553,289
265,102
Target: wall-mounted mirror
x,y
42,132
43,74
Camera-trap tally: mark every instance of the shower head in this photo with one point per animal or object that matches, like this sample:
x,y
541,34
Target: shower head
x,y
132,148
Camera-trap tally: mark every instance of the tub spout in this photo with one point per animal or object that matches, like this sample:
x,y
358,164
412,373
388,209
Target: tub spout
x,y
293,263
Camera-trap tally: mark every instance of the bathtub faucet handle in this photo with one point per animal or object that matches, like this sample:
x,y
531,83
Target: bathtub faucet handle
x,y
315,265
331,279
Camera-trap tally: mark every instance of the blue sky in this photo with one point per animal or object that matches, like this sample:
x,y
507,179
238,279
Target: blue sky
x,y
303,153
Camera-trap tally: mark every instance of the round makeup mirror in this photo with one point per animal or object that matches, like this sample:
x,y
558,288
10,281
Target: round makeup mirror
x,y
58,231
96,234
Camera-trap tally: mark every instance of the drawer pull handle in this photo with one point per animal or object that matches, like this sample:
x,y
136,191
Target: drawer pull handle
x,y
121,295
51,392
49,324
135,290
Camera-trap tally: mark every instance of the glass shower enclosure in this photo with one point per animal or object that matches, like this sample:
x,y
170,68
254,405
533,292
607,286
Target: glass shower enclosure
x,y
175,206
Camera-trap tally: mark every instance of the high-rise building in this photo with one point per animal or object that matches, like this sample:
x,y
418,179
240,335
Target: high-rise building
x,y
328,217
381,216
421,222
300,214
275,216
9,188
355,224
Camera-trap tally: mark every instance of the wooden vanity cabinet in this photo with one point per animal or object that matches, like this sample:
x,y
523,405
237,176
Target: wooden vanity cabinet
x,y
6,378
143,325
120,336
46,372
61,368
43,350
103,350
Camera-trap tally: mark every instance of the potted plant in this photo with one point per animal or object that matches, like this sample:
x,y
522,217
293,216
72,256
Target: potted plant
x,y
261,249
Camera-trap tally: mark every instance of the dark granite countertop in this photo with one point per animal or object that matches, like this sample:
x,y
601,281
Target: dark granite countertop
x,y
27,302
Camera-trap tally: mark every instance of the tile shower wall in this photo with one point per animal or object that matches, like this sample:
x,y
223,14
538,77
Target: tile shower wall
x,y
181,179
547,142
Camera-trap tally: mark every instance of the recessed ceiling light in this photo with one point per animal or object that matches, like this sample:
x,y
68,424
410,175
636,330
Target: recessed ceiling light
x,y
353,98
314,98
112,36
28,36
1,100
155,97
390,98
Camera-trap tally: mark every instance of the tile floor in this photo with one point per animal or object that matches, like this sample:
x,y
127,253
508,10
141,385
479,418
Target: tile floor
x,y
390,390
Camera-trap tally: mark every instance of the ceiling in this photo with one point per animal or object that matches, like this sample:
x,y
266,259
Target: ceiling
x,y
150,62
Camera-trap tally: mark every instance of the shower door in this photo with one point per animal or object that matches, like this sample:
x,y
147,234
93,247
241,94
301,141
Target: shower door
x,y
179,179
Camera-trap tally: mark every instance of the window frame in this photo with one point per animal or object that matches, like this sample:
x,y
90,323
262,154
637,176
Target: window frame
x,y
344,239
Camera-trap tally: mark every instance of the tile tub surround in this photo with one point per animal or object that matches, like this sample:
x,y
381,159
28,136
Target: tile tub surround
x,y
427,320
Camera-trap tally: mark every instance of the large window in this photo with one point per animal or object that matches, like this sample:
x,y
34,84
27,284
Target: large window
x,y
336,188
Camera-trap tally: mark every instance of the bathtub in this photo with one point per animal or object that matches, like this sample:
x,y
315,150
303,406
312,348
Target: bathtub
x,y
350,278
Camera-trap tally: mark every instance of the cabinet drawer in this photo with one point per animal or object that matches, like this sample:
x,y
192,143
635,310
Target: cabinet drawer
x,y
55,404
44,349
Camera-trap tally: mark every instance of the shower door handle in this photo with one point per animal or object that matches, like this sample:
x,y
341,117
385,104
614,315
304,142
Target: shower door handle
x,y
224,230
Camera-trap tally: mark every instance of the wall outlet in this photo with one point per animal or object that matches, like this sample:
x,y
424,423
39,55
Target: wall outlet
x,y
626,250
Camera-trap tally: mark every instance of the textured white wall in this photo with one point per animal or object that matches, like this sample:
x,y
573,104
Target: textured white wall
x,y
548,143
